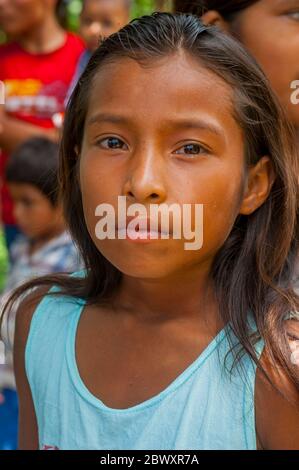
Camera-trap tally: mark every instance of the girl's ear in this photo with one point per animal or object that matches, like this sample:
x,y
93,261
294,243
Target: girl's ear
x,y
213,18
260,180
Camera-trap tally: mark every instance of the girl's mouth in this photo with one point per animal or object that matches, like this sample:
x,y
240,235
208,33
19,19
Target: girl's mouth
x,y
143,230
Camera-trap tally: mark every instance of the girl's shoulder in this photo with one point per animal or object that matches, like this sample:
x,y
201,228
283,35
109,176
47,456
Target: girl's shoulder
x,y
25,312
38,301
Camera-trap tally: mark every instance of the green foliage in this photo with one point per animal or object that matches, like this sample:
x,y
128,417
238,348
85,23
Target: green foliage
x,y
73,12
142,7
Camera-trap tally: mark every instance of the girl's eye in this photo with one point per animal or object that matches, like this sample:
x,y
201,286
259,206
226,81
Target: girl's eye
x,y
112,143
192,149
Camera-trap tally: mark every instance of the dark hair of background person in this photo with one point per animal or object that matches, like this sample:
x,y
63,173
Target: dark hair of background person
x,y
227,8
36,162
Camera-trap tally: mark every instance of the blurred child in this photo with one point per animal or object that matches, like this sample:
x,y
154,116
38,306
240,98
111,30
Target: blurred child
x,y
99,19
37,67
45,247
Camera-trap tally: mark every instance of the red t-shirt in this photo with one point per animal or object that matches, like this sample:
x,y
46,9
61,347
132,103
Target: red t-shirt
x,y
35,89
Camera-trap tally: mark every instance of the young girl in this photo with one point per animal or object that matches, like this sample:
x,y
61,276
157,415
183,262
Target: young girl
x,y
155,346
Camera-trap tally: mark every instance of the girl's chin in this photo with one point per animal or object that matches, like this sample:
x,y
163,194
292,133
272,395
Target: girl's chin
x,y
143,270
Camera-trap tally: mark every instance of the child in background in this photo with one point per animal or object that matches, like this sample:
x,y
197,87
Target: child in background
x,y
37,67
99,19
46,247
154,346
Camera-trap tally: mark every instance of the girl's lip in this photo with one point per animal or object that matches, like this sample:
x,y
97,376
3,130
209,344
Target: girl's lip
x,y
156,232
141,236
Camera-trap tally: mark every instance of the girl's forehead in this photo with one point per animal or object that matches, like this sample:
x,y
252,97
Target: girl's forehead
x,y
173,84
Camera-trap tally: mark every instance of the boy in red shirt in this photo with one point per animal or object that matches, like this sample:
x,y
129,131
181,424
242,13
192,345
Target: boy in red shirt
x,y
37,66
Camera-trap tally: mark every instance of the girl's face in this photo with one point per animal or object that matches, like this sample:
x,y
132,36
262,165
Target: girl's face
x,y
164,133
270,30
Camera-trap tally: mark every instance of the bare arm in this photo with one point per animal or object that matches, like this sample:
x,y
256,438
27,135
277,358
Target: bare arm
x,y
277,414
28,431
14,132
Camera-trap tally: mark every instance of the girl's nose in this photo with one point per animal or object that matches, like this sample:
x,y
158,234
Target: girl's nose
x,y
145,182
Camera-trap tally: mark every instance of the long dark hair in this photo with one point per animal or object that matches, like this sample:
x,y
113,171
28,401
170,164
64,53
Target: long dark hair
x,y
227,8
253,270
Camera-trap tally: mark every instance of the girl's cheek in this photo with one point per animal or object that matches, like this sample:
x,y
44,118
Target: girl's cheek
x,y
221,212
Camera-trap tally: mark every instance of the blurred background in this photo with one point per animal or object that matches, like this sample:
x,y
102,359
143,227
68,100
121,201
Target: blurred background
x,y
70,11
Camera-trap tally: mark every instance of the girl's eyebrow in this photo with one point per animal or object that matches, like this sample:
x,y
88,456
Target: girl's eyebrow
x,y
196,123
175,123
105,117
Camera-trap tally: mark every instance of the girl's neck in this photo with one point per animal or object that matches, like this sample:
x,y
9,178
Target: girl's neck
x,y
44,38
187,296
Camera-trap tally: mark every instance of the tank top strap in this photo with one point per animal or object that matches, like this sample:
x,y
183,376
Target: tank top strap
x,y
47,337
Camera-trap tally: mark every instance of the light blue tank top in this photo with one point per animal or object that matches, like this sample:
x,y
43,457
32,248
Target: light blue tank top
x,y
204,408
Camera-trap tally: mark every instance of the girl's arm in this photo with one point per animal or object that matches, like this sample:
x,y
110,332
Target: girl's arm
x,y
28,431
277,413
